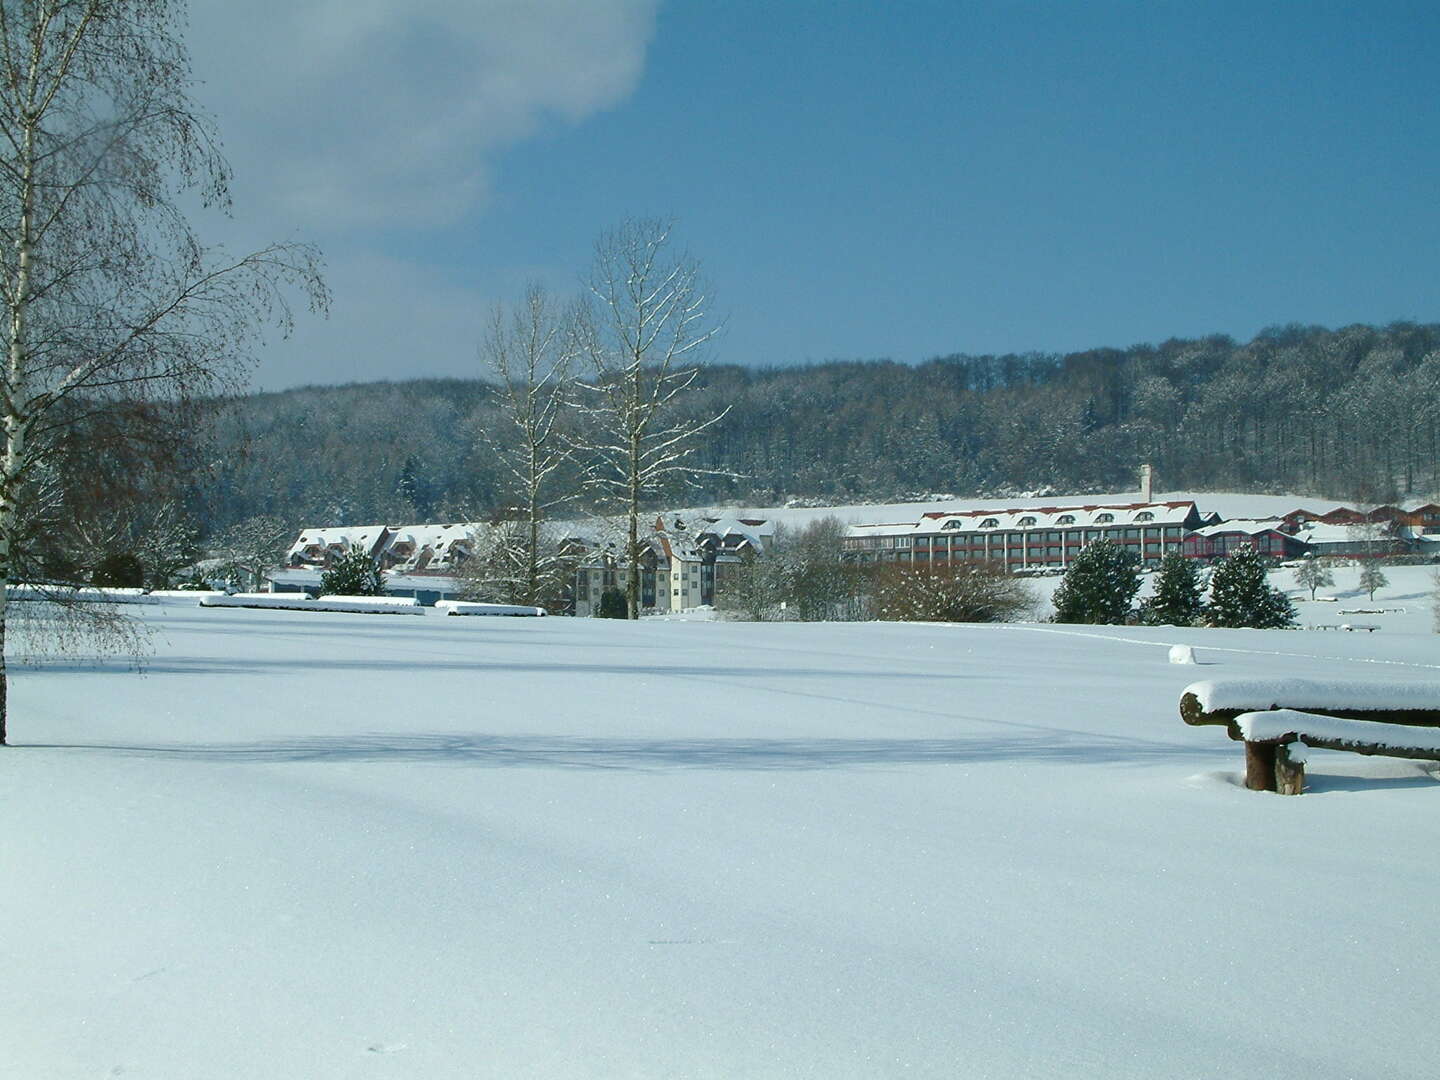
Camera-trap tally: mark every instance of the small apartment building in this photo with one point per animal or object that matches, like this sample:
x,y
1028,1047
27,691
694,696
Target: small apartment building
x,y
1043,538
682,564
1267,537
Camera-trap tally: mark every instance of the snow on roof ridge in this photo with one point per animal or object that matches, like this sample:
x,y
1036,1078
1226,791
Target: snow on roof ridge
x,y
1175,505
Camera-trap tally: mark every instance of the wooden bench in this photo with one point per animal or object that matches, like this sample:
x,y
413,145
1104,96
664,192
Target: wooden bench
x,y
1277,718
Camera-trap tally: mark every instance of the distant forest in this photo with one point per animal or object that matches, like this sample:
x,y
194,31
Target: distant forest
x,y
1351,413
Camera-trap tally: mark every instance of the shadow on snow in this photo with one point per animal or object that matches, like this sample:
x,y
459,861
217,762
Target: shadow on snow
x,y
588,753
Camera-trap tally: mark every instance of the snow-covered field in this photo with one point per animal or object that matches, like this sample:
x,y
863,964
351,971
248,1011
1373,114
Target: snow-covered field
x,y
321,845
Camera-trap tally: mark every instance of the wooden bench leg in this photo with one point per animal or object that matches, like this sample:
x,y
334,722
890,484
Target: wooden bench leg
x,y
1260,766
1290,771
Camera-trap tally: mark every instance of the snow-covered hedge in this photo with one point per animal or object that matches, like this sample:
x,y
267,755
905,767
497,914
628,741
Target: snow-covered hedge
x,y
370,605
1216,694
20,591
193,596
465,607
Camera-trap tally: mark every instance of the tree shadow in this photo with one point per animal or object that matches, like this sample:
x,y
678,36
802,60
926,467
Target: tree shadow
x,y
211,665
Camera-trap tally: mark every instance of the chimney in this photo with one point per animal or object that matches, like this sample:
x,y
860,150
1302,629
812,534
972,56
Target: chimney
x,y
1146,477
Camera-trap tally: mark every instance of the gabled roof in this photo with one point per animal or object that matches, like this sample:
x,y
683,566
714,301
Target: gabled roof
x,y
1247,526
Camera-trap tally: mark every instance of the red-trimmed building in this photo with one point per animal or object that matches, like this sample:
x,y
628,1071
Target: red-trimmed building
x,y
1039,538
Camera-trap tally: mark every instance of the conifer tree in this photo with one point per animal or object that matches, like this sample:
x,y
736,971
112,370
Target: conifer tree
x,y
1099,586
353,574
1241,594
1178,599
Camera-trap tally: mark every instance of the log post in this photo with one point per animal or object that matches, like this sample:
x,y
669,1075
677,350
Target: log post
x,y
1259,766
1289,772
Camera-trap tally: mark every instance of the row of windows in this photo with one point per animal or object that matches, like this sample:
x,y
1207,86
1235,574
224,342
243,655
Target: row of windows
x,y
1071,538
1063,519
1050,536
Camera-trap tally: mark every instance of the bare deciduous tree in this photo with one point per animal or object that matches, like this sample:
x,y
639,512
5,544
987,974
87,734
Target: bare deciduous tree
x,y
532,351
501,571
643,333
109,295
250,547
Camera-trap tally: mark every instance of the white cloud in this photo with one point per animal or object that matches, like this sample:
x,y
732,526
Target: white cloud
x,y
342,113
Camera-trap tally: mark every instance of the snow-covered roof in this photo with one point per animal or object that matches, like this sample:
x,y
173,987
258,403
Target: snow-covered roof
x,y
1320,532
1040,517
754,528
338,536
437,538
1249,526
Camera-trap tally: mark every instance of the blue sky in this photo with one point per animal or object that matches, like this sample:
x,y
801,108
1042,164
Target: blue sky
x,y
859,180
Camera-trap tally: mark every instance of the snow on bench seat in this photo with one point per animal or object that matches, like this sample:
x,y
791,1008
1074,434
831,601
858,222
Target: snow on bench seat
x,y
1338,733
466,607
368,605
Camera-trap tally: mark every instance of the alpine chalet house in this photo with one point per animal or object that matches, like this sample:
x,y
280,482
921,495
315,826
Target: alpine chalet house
x,y
1027,540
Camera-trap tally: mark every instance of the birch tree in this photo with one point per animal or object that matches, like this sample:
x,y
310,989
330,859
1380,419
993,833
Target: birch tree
x,y
110,297
643,333
531,350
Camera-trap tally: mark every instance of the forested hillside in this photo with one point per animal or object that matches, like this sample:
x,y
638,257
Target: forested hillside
x,y
1350,413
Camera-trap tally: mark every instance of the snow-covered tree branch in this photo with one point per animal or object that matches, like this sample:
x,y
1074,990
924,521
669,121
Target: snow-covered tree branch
x,y
109,296
642,333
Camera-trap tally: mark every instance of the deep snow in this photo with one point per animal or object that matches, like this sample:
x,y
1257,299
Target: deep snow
x,y
335,845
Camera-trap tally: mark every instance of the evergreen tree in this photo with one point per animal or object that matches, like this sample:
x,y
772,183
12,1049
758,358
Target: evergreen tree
x,y
1312,575
1372,578
612,605
119,570
352,574
1178,599
1099,585
1241,594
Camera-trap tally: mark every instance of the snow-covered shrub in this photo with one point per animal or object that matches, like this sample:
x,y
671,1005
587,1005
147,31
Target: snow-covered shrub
x,y
965,592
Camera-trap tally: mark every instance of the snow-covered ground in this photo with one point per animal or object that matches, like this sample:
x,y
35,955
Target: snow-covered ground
x,y
320,845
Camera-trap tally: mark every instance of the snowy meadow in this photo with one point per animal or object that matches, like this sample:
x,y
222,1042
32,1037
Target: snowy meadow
x,y
327,845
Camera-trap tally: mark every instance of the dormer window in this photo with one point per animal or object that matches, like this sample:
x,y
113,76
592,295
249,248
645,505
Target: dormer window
x,y
1145,515
1026,522
1104,519
953,523
1065,519
989,523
